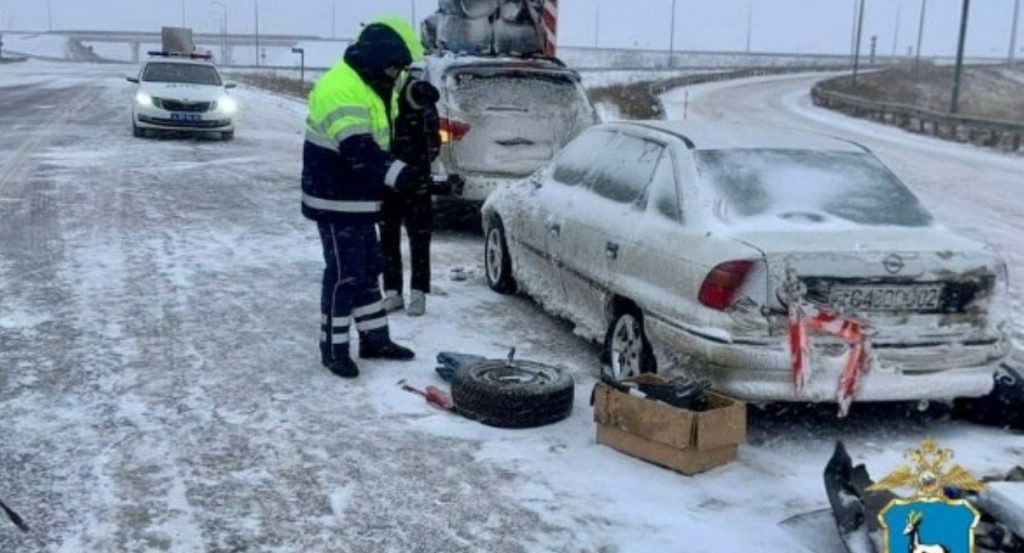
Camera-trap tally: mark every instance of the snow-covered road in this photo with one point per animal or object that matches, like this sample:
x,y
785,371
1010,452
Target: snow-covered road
x,y
160,387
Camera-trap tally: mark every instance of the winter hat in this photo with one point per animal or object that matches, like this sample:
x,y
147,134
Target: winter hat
x,y
389,42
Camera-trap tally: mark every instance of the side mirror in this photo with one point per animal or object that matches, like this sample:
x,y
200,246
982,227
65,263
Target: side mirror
x,y
230,85
132,80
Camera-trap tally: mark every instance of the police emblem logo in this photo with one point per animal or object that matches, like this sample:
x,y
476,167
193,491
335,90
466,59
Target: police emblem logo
x,y
934,519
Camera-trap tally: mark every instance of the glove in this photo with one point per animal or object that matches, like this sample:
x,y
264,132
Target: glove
x,y
412,178
421,94
453,184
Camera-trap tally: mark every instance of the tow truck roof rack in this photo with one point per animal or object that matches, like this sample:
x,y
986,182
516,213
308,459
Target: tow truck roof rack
x,y
191,55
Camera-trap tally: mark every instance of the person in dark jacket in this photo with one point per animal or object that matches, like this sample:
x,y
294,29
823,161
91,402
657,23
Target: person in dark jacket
x,y
347,169
417,141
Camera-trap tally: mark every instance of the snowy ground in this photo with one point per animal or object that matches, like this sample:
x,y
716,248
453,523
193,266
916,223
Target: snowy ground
x,y
160,387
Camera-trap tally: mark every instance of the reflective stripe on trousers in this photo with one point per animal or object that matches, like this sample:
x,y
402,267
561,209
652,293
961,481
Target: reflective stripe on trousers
x,y
351,289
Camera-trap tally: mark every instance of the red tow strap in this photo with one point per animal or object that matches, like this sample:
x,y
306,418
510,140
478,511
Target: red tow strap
x,y
820,321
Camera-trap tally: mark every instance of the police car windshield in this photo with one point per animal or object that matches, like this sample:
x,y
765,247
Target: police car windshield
x,y
181,73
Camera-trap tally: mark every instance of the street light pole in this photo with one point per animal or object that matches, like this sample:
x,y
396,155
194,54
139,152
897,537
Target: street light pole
x,y
1013,31
856,49
412,6
49,14
334,18
223,32
256,6
920,35
853,29
955,104
672,35
750,24
597,22
183,14
896,31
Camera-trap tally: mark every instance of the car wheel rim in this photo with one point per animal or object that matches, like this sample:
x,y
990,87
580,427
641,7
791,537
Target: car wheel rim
x,y
627,347
494,254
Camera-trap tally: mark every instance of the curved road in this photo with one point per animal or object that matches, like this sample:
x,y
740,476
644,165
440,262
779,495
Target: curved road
x,y
972,190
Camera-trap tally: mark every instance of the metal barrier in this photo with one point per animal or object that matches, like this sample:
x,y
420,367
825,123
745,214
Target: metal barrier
x,y
660,87
1007,136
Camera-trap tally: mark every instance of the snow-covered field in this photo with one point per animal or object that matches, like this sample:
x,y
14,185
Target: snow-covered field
x,y
160,388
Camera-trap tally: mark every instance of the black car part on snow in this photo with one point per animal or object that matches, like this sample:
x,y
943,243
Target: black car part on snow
x,y
512,393
855,512
681,393
1003,407
449,361
14,517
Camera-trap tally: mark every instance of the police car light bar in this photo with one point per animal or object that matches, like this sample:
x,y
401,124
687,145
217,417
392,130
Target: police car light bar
x,y
193,55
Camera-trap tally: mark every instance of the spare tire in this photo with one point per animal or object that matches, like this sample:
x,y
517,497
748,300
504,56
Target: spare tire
x,y
513,394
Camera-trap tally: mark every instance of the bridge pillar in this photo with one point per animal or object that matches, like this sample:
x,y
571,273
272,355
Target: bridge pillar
x,y
228,55
136,48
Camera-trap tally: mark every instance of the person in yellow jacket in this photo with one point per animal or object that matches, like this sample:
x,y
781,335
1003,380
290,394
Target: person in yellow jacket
x,y
347,169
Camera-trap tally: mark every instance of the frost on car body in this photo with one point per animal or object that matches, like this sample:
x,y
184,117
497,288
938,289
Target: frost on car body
x,y
696,227
503,118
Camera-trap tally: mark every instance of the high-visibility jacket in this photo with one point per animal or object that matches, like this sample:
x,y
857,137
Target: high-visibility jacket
x,y
346,158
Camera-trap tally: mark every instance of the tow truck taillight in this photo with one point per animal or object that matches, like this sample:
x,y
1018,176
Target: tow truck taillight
x,y
720,286
453,130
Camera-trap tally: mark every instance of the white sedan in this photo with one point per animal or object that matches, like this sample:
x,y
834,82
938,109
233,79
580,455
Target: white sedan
x,y
677,244
182,94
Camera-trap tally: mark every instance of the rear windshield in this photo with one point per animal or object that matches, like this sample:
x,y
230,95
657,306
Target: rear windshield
x,y
809,186
523,91
181,73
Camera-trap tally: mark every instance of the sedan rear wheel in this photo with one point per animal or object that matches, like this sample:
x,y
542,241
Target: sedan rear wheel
x,y
626,347
497,262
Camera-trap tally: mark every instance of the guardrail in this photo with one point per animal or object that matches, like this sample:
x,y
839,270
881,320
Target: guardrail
x,y
661,87
1007,136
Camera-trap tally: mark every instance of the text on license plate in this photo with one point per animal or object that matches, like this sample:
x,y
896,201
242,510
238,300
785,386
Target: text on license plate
x,y
923,297
185,117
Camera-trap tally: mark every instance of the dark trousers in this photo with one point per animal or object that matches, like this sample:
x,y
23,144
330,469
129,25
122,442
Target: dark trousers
x,y
416,212
351,289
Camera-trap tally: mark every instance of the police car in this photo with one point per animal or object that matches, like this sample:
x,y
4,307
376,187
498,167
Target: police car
x,y
182,93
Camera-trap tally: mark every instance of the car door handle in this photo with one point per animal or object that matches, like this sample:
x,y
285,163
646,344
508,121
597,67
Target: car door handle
x,y
555,228
611,250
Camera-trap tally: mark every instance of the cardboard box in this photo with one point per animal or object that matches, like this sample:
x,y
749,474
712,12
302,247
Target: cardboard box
x,y
687,441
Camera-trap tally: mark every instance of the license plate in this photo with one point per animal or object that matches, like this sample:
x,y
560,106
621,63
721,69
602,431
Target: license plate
x,y
918,297
186,117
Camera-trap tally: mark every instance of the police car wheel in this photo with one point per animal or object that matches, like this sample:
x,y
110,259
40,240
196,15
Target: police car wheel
x,y
229,135
137,132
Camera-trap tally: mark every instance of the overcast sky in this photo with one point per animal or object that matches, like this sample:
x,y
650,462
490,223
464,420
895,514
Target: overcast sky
x,y
778,25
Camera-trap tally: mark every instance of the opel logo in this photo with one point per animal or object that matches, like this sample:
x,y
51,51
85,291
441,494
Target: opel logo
x,y
893,264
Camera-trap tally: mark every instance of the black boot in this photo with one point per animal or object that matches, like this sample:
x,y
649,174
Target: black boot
x,y
344,367
387,350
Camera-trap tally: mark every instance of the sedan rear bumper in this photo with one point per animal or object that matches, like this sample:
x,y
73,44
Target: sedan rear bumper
x,y
761,372
478,187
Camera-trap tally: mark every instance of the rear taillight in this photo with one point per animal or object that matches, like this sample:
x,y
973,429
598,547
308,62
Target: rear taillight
x,y
722,283
453,130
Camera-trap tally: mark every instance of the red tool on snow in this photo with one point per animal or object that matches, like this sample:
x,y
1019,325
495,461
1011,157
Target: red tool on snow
x,y
434,396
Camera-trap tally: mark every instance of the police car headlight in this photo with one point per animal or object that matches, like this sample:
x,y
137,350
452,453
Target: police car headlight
x,y
144,99
228,105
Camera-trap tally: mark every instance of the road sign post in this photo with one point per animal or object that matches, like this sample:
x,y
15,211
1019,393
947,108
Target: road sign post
x,y
302,63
